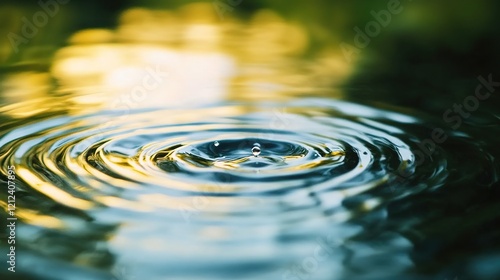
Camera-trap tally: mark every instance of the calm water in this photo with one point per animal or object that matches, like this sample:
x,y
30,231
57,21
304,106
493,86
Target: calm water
x,y
135,161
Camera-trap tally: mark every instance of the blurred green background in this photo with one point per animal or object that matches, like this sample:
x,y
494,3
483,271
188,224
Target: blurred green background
x,y
426,57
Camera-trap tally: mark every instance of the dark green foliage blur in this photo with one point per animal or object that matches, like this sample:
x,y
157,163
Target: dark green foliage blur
x,y
427,57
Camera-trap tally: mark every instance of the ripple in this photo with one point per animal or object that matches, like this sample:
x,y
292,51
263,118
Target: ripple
x,y
226,173
229,148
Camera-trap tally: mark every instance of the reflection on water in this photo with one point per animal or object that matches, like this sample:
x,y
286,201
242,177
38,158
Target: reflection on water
x,y
180,147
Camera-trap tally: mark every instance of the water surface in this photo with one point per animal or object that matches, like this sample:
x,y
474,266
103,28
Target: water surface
x,y
137,160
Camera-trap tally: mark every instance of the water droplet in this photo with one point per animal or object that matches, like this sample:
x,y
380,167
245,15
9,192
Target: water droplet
x,y
216,144
256,149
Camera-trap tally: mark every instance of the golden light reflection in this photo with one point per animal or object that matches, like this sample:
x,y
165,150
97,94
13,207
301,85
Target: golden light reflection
x,y
188,56
24,92
140,76
92,36
33,217
272,37
182,57
52,191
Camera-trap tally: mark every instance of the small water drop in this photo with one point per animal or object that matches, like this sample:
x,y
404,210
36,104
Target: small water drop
x,y
256,149
216,144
